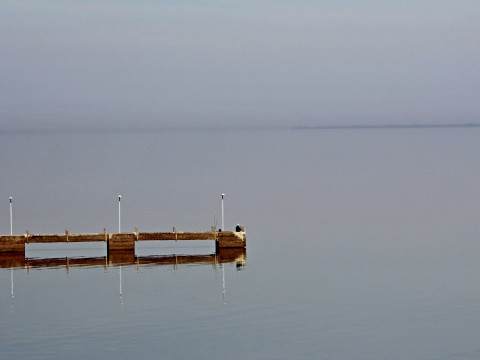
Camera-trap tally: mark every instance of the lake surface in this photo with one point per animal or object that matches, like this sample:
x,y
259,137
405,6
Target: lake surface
x,y
361,244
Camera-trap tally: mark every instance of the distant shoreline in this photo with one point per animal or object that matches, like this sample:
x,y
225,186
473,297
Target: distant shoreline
x,y
395,126
140,129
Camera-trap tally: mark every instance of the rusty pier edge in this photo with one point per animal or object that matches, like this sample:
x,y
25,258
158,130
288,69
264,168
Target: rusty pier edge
x,y
123,241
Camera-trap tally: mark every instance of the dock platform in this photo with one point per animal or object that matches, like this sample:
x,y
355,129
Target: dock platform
x,y
123,241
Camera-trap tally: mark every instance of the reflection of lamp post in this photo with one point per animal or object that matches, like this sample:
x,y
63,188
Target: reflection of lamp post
x,y
11,221
224,295
12,296
223,225
121,292
119,214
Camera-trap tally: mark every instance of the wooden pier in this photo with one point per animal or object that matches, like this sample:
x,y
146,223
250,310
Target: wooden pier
x,y
123,241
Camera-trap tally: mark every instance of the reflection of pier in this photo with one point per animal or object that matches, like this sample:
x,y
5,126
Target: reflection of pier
x,y
126,258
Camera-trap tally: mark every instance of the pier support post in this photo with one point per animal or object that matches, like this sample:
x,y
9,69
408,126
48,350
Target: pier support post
x,y
12,243
121,242
231,239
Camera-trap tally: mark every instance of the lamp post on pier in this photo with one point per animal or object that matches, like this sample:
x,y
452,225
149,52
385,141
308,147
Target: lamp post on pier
x,y
223,224
11,215
119,214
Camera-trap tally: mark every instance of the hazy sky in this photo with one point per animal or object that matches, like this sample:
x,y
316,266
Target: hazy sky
x,y
230,63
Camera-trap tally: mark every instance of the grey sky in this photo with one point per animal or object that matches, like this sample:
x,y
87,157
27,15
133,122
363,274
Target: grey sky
x,y
225,63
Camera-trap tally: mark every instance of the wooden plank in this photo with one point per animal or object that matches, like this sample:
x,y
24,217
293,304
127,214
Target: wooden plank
x,y
54,238
46,238
201,235
85,237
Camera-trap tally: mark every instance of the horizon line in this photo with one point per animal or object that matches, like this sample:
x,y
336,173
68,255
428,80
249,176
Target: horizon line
x,y
112,129
389,126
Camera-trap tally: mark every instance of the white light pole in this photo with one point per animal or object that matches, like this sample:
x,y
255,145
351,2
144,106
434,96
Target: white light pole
x,y
119,214
223,224
11,221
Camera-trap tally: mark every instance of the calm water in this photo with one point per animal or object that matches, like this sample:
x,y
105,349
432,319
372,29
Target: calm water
x,y
362,244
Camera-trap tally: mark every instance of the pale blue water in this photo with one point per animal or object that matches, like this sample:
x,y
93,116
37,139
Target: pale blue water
x,y
362,244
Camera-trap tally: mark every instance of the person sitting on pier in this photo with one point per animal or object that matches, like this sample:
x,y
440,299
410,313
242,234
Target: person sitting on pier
x,y
239,228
